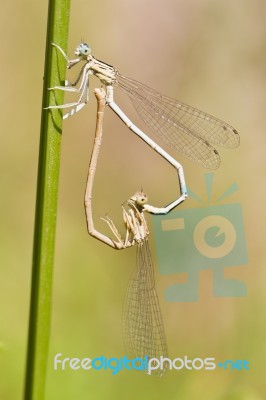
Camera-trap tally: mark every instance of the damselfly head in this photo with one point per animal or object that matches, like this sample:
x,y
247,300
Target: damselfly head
x,y
83,50
140,198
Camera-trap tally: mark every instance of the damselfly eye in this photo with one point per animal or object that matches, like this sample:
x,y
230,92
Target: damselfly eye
x,y
83,50
140,198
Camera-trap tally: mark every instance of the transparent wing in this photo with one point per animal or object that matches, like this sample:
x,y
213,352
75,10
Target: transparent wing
x,y
187,129
142,320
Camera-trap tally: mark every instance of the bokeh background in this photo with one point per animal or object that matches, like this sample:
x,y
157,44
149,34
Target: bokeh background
x,y
208,53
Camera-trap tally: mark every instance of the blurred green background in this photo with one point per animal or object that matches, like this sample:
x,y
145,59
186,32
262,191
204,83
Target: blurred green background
x,y
208,53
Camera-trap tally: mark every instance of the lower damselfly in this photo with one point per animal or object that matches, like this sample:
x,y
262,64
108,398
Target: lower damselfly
x,y
142,320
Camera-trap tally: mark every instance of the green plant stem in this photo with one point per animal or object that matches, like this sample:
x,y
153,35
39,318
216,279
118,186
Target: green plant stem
x,y
46,205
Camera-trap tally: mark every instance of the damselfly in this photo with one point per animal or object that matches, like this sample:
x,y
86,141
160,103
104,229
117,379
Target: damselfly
x,y
190,131
185,128
142,320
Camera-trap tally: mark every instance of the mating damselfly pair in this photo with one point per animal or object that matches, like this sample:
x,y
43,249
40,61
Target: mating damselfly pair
x,y
191,132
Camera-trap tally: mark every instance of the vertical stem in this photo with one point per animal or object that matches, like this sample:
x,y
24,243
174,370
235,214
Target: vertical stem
x,y
46,205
